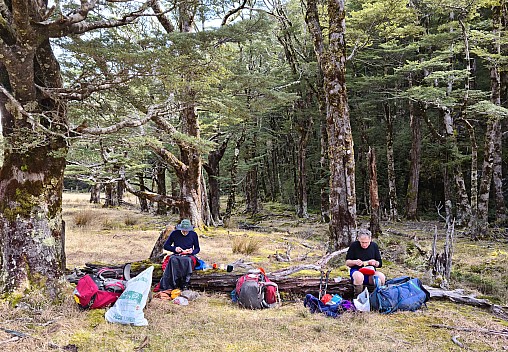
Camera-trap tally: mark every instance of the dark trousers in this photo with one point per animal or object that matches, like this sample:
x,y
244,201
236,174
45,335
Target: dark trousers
x,y
178,272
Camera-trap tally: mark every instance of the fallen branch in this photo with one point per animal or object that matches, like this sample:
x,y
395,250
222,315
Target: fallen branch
x,y
458,296
483,331
457,342
323,261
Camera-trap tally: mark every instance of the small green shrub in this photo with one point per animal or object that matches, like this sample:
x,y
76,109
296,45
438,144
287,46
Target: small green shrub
x,y
246,245
83,218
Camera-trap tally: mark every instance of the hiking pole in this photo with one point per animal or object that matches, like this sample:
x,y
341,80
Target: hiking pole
x,y
321,283
326,280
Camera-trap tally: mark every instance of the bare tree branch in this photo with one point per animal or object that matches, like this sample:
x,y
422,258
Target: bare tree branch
x,y
232,12
75,22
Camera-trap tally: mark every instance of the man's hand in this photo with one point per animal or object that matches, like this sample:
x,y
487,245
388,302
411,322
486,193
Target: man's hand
x,y
359,262
178,250
373,262
187,251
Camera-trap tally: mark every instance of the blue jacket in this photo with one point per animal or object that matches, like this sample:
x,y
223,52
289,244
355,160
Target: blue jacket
x,y
177,239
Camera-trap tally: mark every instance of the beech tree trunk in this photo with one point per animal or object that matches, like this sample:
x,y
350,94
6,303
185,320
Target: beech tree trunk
x,y
375,228
324,178
304,129
95,193
392,183
212,169
332,62
110,191
233,174
415,162
160,181
31,177
251,179
190,178
143,203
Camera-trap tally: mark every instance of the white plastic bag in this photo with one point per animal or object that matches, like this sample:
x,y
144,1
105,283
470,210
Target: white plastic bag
x,y
362,302
128,309
181,301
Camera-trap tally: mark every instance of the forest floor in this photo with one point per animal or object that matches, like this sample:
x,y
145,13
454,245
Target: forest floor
x,y
213,323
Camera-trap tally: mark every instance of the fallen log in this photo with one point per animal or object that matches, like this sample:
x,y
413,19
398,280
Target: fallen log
x,y
219,282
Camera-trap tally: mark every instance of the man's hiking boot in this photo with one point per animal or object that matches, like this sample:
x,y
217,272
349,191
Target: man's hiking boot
x,y
357,290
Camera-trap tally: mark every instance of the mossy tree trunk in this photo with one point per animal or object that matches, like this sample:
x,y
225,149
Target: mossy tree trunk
x,y
34,129
31,177
332,61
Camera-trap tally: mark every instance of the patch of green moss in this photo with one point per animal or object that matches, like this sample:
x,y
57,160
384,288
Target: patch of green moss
x,y
26,202
80,338
95,317
14,298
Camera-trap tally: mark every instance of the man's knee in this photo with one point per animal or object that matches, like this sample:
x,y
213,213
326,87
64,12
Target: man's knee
x,y
358,278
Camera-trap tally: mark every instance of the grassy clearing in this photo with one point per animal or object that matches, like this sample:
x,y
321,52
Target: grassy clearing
x,y
213,323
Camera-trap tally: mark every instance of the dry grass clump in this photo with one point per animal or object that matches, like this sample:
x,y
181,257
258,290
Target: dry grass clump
x,y
83,218
130,220
246,245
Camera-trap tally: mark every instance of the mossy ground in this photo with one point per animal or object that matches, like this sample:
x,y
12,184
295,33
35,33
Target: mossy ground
x,y
213,323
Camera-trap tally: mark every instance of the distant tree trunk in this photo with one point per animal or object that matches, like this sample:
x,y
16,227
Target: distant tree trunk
x,y
251,190
251,179
233,174
447,192
340,151
473,225
174,193
497,175
304,129
212,169
363,161
143,203
392,180
462,200
205,204
415,161
499,19
324,178
111,194
120,191
95,193
160,181
375,228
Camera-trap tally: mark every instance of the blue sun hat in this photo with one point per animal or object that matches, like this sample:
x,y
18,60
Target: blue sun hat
x,y
185,225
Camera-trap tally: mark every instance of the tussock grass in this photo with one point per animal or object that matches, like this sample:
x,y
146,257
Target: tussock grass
x,y
246,245
213,323
83,218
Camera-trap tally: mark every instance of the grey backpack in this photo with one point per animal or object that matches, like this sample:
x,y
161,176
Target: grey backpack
x,y
256,291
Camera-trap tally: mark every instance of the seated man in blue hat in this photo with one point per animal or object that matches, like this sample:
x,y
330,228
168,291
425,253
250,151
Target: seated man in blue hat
x,y
184,243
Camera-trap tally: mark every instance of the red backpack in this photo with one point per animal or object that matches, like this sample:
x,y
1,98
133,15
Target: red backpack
x,y
255,291
98,291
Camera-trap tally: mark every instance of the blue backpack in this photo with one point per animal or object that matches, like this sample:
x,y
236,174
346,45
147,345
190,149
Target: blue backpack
x,y
401,293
